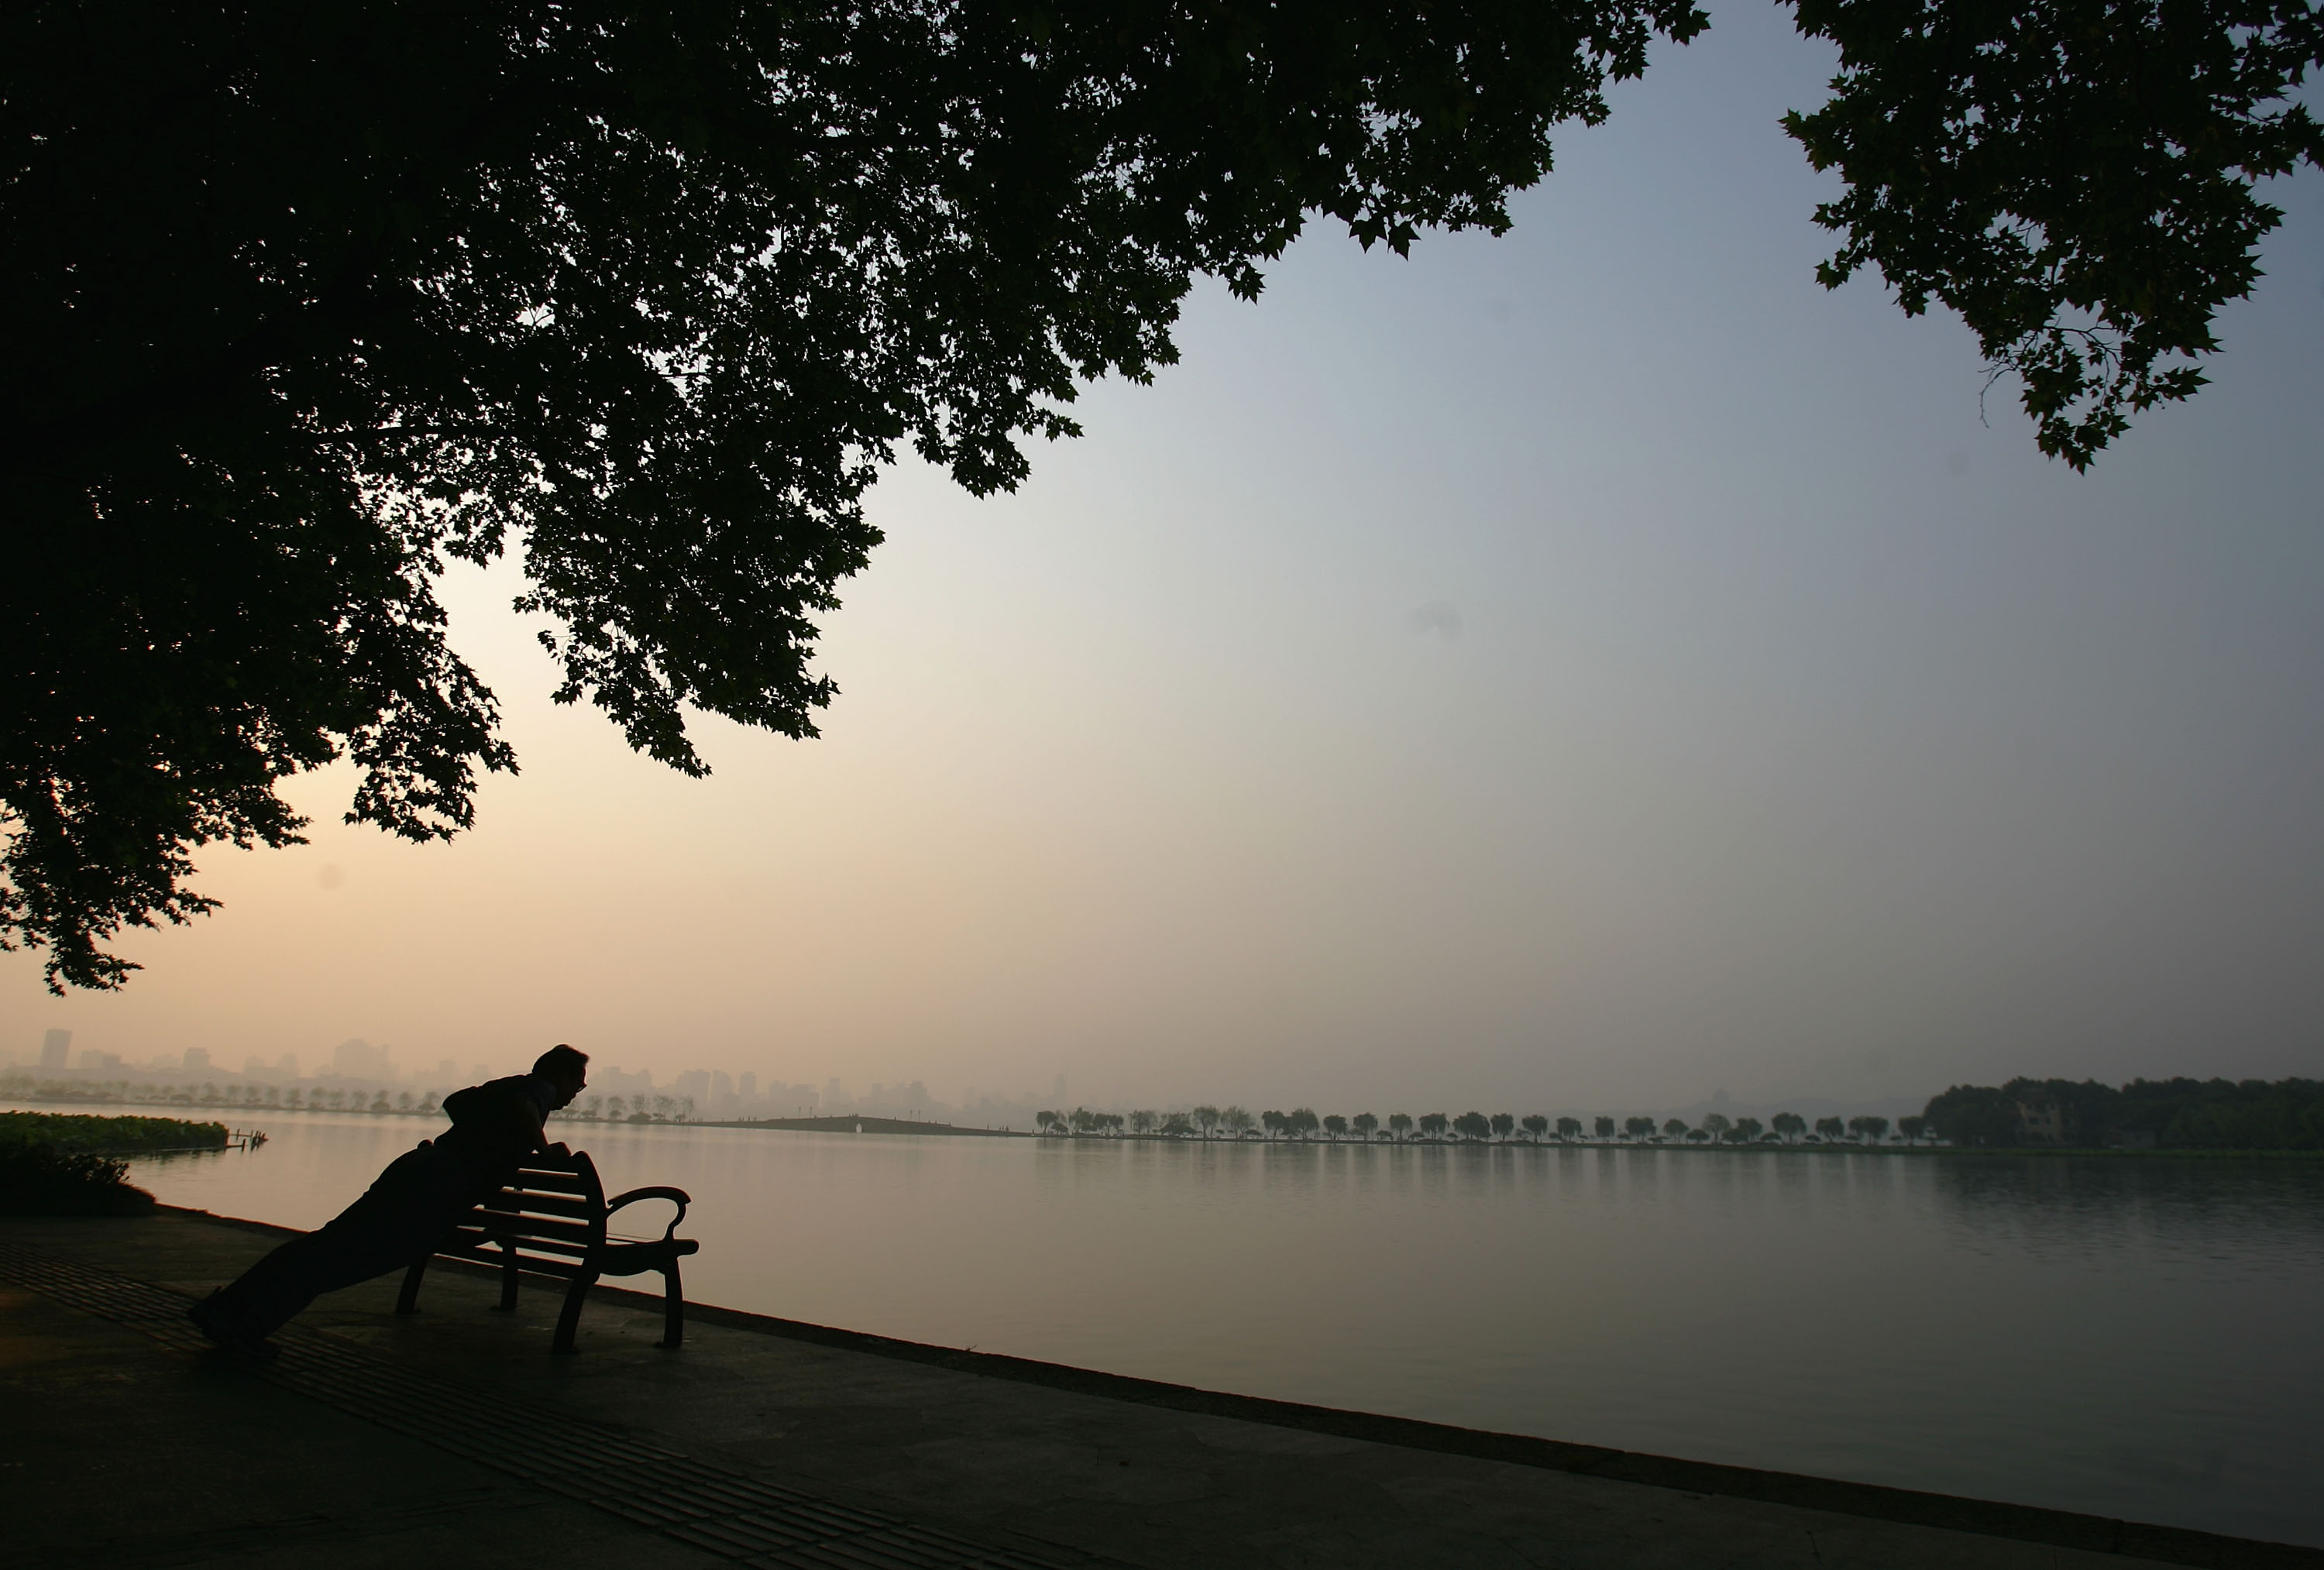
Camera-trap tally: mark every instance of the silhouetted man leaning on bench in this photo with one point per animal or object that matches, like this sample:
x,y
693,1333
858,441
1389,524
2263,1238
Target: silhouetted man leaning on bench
x,y
407,1212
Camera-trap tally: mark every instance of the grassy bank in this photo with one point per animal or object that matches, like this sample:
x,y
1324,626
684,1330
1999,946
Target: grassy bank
x,y
109,1136
60,1164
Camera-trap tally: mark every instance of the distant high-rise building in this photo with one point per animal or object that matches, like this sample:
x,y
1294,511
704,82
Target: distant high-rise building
x,y
721,1104
748,1085
53,1048
197,1058
694,1082
287,1063
356,1059
834,1092
90,1058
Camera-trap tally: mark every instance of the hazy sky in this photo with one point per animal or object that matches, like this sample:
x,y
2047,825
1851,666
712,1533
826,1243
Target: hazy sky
x,y
1590,666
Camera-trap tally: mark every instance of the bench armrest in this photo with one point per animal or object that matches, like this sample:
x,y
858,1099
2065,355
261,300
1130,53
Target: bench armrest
x,y
678,1196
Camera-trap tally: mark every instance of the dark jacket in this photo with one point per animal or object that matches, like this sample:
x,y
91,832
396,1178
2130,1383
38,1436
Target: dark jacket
x,y
490,1134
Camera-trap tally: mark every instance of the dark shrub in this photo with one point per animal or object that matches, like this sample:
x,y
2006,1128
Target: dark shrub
x,y
38,1180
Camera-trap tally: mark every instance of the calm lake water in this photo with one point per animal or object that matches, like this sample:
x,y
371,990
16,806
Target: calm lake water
x,y
2130,1337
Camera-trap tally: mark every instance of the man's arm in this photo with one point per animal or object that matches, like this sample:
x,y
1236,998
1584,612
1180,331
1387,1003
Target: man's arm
x,y
536,1138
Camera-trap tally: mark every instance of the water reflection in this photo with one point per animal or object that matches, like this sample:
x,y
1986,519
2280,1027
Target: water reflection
x,y
2130,1337
2241,1217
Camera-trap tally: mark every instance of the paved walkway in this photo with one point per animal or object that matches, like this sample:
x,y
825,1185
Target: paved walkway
x,y
455,1436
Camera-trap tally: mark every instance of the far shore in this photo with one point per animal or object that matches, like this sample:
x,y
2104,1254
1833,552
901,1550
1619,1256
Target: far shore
x,y
868,1124
837,1124
1829,1148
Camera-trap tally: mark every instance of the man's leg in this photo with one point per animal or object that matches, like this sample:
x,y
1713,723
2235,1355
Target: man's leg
x,y
405,1213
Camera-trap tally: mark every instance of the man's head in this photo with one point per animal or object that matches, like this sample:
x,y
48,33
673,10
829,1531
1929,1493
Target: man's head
x,y
564,1067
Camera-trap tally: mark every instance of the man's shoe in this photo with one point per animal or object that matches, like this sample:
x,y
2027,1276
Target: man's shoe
x,y
211,1318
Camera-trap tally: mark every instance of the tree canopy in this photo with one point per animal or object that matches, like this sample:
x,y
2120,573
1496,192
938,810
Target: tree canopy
x,y
2170,1114
307,301
2074,176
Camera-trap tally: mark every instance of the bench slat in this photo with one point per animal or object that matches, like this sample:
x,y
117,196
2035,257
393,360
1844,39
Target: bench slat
x,y
561,1268
492,1248
493,1254
540,1225
491,1243
555,1183
545,1204
540,1198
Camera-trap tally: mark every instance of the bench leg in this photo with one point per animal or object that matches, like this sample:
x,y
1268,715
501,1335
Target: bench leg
x,y
569,1320
407,1301
507,1304
673,1310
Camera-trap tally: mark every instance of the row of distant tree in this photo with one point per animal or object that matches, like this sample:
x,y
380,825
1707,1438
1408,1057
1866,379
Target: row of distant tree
x,y
1477,1127
2185,1114
2281,1115
638,1109
264,1097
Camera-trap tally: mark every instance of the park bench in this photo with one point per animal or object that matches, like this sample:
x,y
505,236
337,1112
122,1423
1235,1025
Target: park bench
x,y
551,1220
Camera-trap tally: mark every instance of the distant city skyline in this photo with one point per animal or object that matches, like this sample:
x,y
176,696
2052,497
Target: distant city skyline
x,y
710,1095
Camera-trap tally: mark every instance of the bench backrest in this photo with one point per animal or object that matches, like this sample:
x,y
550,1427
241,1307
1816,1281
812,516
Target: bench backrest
x,y
553,1212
